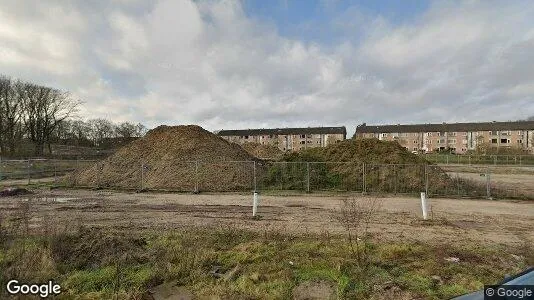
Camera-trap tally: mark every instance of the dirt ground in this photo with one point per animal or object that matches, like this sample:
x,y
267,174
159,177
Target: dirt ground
x,y
455,221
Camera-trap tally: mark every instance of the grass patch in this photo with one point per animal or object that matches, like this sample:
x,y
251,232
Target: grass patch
x,y
253,265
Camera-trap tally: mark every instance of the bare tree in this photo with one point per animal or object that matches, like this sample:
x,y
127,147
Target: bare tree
x,y
100,129
126,130
44,108
141,130
10,116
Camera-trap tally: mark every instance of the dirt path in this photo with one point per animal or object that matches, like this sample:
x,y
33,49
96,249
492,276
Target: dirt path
x,y
453,221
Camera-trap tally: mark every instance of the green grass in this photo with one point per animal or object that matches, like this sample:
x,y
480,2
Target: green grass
x,y
268,265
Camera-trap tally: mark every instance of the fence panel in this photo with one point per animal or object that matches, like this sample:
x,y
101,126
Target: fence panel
x,y
496,181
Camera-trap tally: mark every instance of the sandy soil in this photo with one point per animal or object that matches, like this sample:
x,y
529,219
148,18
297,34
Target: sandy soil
x,y
453,220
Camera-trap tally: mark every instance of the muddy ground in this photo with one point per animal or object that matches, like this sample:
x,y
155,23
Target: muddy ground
x,y
456,221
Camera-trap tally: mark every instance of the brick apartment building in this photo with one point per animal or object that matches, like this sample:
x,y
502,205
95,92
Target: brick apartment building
x,y
287,139
458,137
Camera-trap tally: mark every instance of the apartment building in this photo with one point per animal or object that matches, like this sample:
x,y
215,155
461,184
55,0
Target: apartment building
x,y
287,139
457,137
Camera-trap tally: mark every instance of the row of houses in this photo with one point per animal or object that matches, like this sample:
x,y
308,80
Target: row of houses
x,y
288,139
422,138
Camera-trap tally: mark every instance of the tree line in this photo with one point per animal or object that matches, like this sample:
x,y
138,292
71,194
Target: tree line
x,y
95,132
40,116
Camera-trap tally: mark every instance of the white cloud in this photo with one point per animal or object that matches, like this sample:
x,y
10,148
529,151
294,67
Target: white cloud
x,y
206,62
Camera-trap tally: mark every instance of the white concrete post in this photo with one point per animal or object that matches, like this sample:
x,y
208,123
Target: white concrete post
x,y
255,201
424,206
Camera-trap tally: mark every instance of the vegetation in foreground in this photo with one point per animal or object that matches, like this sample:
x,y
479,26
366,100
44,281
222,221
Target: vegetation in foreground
x,y
235,264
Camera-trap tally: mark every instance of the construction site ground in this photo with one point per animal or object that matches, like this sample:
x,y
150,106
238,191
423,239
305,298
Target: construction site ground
x,y
456,221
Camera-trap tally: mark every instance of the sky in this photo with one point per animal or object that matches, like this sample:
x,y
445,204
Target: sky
x,y
235,64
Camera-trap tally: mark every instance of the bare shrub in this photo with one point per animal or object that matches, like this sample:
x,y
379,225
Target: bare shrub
x,y
356,215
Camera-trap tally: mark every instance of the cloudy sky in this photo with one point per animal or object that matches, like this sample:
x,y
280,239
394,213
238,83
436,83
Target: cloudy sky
x,y
254,63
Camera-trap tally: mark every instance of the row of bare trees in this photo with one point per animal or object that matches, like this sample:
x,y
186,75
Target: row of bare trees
x,y
31,111
43,115
94,132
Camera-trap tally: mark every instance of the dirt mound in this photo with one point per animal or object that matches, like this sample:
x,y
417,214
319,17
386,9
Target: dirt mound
x,y
369,151
360,164
184,158
267,152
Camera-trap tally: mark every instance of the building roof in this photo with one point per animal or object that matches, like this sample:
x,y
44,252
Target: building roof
x,y
446,127
284,131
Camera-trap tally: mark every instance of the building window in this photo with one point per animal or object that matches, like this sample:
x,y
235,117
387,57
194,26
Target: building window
x,y
302,136
494,133
519,133
494,141
414,148
384,134
429,134
520,141
453,141
452,133
506,133
415,142
464,142
246,137
505,141
302,142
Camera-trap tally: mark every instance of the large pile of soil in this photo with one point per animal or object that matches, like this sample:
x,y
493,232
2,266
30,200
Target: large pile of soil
x,y
266,152
358,164
184,158
369,151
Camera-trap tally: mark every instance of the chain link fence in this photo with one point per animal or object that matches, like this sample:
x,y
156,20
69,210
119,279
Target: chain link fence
x,y
475,159
473,181
39,171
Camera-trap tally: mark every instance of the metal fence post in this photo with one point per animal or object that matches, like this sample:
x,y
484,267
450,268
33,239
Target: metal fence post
x,y
55,175
447,156
426,180
142,174
458,184
100,170
29,172
488,184
254,174
363,177
196,176
307,177
76,171
469,159
396,178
